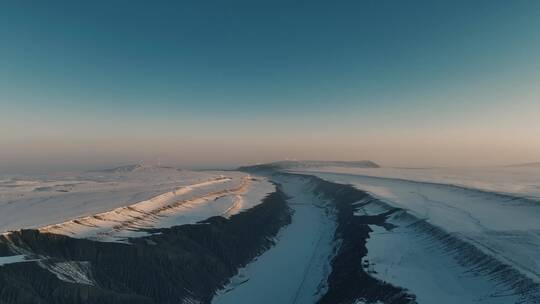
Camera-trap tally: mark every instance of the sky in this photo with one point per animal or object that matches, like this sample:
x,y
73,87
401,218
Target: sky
x,y
218,83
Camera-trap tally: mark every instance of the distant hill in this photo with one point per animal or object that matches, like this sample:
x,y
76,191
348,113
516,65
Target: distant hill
x,y
527,165
312,164
132,168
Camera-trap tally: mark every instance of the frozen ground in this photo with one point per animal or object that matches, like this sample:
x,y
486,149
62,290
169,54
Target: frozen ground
x,y
296,268
406,257
506,227
523,181
406,254
114,204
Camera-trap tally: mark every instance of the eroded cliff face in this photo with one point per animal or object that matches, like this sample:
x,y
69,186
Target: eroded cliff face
x,y
182,264
349,281
353,280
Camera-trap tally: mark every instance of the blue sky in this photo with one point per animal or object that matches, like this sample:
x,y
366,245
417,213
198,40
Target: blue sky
x,y
223,82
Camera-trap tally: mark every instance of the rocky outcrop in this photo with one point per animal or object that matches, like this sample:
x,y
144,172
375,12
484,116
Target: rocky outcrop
x,y
182,264
349,282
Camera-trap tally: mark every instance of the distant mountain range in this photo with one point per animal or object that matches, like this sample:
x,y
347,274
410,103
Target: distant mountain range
x,y
288,164
132,168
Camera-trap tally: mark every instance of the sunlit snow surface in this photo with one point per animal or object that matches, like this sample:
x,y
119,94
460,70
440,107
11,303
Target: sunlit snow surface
x,y
115,205
503,222
522,181
296,268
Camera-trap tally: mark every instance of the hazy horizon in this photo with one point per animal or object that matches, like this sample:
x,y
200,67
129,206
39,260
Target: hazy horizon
x,y
98,84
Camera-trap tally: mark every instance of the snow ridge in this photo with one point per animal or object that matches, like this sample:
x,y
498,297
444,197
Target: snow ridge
x,y
123,222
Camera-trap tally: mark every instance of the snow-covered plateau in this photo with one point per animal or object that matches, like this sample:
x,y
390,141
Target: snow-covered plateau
x,y
454,216
117,203
285,232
